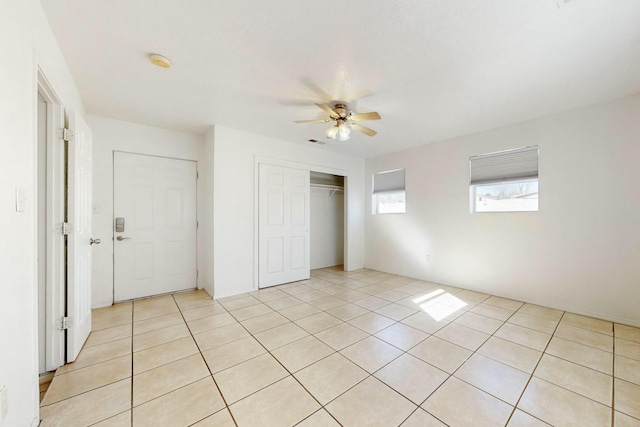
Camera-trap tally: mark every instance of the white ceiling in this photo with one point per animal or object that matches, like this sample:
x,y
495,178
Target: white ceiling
x,y
433,69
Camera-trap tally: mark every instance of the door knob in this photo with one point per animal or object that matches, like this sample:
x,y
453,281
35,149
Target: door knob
x,y
120,238
94,241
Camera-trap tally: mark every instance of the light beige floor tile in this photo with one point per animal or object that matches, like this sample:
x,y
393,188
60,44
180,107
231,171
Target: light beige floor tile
x,y
441,354
371,302
347,311
233,353
250,312
202,312
120,420
371,353
628,349
299,311
156,323
150,313
371,322
269,294
320,418
181,407
421,418
624,420
560,407
479,323
264,322
539,311
283,303
627,396
540,324
85,379
402,336
462,336
284,403
239,301
219,419
412,377
584,322
522,419
351,295
193,300
396,311
370,403
330,377
153,303
341,336
626,332
587,382
425,323
391,295
109,321
492,311
524,336
302,353
154,357
281,335
310,296
318,322
108,335
473,295
581,354
510,353
160,336
208,323
220,336
627,369
459,404
500,380
583,336
327,303
97,354
248,377
90,407
166,378
508,304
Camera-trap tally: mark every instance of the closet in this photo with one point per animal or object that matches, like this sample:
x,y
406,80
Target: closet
x,y
327,220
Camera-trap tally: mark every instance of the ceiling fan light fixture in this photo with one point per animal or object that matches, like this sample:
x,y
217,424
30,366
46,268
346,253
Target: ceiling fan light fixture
x,y
343,131
332,131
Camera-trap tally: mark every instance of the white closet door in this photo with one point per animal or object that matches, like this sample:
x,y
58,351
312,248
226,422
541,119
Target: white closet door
x,y
284,220
79,201
155,253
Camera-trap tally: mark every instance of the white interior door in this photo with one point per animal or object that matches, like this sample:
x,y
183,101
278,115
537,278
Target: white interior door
x,y
155,251
79,200
284,220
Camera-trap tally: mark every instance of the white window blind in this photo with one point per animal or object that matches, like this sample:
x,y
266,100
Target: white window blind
x,y
388,182
504,166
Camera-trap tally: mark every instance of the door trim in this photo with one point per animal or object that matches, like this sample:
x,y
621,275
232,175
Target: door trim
x,y
256,193
55,264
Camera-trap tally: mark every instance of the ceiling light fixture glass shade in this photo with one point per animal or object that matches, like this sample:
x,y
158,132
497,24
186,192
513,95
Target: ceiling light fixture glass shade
x,y
332,131
343,131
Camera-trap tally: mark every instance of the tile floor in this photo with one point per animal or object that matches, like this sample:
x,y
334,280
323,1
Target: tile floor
x,y
362,348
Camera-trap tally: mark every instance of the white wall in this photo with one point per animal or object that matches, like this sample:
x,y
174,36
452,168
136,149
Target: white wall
x,y
327,228
234,202
580,252
206,223
26,43
111,135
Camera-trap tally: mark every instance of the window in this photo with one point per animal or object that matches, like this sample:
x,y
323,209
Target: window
x,y
506,181
388,192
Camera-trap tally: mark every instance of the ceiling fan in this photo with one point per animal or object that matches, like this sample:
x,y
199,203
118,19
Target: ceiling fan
x,y
343,121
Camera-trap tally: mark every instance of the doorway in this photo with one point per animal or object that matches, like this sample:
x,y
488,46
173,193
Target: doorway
x,y
155,225
327,220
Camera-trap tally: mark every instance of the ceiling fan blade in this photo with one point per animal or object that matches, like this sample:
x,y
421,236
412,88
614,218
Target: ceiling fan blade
x,y
363,129
365,116
313,121
332,131
328,110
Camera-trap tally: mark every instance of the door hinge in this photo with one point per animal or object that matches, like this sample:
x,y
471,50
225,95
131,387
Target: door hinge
x,y
67,134
65,323
65,228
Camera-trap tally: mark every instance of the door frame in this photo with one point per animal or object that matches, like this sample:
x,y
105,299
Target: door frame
x,y
256,213
55,300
